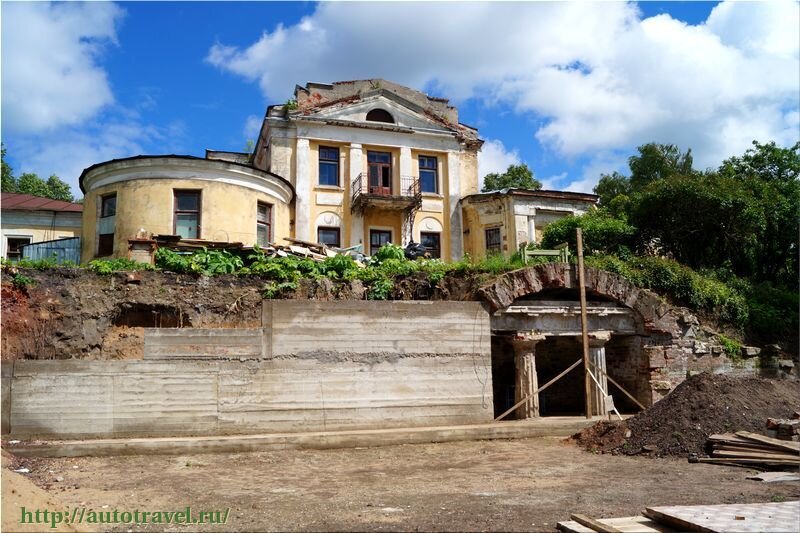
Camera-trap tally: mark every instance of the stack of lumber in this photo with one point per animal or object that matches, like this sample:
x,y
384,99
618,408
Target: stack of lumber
x,y
311,250
751,449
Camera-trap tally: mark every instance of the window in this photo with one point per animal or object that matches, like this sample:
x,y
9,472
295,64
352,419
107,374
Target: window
x,y
428,174
187,214
106,225
263,224
14,248
109,206
380,173
377,238
493,243
329,236
328,166
380,115
432,243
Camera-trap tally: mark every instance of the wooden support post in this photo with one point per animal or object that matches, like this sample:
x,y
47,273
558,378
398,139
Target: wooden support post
x,y
587,383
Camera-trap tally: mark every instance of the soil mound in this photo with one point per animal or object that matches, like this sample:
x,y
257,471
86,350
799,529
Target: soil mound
x,y
702,405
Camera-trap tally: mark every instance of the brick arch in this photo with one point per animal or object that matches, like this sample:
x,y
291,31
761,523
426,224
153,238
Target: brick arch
x,y
657,315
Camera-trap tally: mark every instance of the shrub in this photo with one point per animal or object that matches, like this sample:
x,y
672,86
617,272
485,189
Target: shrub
x,y
21,281
105,267
602,233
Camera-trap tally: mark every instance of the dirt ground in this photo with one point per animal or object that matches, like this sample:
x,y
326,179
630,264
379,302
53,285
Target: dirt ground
x,y
521,485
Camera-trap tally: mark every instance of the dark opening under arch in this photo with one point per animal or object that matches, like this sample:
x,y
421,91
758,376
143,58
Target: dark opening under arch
x,y
380,115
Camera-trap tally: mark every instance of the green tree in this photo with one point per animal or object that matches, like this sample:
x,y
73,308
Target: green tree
x,y
9,181
58,189
771,174
30,183
516,176
658,161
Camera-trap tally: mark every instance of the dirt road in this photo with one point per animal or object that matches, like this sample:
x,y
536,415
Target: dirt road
x,y
523,485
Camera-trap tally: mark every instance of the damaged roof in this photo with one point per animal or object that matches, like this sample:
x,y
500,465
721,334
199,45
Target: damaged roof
x,y
538,193
28,202
314,97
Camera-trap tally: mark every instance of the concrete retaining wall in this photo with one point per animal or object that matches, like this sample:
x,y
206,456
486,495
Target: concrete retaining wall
x,y
419,327
202,343
320,372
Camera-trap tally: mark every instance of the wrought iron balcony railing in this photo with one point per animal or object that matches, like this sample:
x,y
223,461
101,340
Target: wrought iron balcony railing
x,y
409,190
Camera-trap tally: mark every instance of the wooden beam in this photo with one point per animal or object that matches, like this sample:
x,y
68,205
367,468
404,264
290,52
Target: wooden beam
x,y
593,524
620,387
587,384
785,444
537,391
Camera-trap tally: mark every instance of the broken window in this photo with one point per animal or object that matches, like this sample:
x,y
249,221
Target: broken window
x,y
328,166
493,243
329,236
187,214
428,174
263,224
432,242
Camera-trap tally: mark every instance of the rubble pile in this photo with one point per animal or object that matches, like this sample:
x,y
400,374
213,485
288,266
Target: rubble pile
x,y
703,405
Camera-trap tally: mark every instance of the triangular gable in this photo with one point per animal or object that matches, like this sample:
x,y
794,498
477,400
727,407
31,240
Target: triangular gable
x,y
406,114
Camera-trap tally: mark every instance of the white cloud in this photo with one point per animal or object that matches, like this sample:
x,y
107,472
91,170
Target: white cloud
x,y
598,76
494,157
50,73
252,127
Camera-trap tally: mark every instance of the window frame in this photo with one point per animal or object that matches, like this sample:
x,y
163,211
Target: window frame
x,y
378,231
493,248
332,162
435,171
176,211
438,234
104,199
18,249
380,189
338,231
267,223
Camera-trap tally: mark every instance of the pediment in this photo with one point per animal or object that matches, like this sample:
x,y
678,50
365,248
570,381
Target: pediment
x,y
406,115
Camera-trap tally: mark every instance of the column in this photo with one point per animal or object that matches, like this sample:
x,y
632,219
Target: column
x,y
454,206
405,172
526,382
302,224
357,224
597,357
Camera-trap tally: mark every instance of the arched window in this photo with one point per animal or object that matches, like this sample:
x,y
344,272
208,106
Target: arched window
x,y
380,115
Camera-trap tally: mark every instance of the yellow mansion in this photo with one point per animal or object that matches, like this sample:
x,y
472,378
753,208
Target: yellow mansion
x,y
349,164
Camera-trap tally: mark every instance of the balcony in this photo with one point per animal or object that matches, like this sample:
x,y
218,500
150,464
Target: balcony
x,y
367,195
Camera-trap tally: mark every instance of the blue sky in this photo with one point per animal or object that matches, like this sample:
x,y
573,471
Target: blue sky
x,y
570,89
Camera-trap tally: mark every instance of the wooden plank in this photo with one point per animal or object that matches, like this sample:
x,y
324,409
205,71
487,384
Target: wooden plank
x,y
587,384
786,444
620,387
626,524
774,517
755,455
593,524
731,461
537,391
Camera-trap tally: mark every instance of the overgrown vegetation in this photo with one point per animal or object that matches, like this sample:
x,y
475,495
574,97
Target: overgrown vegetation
x,y
105,267
724,240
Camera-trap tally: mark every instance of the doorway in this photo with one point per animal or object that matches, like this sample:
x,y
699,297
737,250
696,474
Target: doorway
x,y
380,173
566,397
